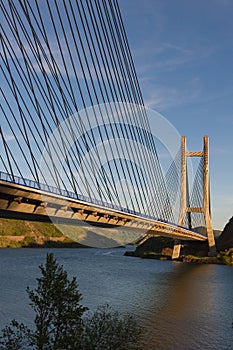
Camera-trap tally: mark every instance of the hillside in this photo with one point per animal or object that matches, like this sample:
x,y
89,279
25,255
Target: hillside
x,y
225,240
19,233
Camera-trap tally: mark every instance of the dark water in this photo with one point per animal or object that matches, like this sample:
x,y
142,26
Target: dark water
x,y
180,306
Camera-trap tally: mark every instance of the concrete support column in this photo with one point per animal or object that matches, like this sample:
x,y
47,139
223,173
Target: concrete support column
x,y
176,249
206,199
183,183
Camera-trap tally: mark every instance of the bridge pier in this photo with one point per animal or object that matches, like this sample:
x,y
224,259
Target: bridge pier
x,y
176,249
206,200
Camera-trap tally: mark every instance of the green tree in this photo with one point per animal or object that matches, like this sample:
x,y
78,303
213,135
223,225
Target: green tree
x,y
108,329
56,302
60,323
58,320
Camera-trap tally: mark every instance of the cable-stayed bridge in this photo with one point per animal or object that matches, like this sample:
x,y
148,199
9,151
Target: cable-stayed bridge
x,y
76,141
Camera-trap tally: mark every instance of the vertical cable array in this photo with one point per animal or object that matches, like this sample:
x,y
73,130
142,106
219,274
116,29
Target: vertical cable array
x,y
196,198
72,58
172,179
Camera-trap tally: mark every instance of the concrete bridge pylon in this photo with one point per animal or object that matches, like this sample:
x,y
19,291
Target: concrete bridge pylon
x,y
185,209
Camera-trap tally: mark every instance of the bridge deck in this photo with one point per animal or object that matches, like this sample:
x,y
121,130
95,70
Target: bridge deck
x,y
30,200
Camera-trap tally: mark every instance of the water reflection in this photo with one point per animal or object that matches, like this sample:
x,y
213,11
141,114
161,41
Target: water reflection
x,y
188,311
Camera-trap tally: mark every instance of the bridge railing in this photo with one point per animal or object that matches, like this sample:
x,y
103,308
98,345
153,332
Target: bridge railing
x,y
52,189
68,194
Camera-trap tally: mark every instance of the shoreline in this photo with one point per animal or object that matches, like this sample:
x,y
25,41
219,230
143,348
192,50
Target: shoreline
x,y
223,257
23,242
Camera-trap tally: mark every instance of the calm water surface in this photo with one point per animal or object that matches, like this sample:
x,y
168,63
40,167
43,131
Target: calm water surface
x,y
182,307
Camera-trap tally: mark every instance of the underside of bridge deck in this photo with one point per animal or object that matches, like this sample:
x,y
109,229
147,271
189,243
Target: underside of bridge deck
x,y
20,202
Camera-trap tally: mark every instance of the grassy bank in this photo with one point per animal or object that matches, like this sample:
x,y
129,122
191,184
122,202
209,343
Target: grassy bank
x,y
161,248
224,258
23,234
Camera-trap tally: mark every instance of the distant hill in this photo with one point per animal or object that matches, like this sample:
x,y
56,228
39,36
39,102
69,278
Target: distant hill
x,y
225,240
202,230
19,233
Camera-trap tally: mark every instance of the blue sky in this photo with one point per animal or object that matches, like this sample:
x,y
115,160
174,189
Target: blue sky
x,y
183,52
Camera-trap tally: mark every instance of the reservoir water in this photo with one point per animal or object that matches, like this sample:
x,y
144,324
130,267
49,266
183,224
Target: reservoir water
x,y
179,306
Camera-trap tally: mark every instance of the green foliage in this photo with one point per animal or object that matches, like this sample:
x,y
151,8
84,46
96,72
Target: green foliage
x,y
29,241
60,323
15,337
56,302
5,242
226,257
223,257
47,229
11,227
107,329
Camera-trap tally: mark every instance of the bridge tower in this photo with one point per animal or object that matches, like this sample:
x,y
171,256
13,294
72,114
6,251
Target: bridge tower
x,y
185,209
